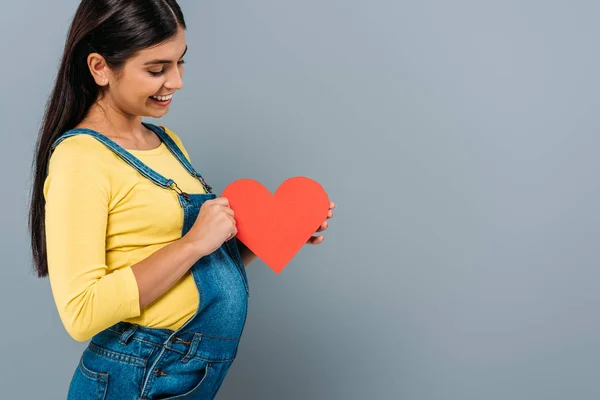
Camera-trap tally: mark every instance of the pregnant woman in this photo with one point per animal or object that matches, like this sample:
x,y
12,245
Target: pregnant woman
x,y
141,255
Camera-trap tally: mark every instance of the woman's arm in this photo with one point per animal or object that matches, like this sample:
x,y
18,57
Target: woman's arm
x,y
163,268
89,298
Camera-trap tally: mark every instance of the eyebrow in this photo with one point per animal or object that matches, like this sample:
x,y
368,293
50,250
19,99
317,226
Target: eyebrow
x,y
165,61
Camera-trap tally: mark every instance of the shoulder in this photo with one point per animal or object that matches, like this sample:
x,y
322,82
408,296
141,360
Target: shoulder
x,y
80,166
81,154
80,147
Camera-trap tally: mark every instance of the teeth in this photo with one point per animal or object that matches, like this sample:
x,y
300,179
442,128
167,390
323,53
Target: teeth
x,y
162,98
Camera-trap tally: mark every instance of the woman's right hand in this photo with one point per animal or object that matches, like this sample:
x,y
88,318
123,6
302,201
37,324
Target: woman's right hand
x,y
214,225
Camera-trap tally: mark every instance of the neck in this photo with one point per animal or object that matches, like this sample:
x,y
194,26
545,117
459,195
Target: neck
x,y
108,118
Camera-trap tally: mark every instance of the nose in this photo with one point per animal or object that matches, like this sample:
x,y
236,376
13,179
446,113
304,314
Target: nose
x,y
174,79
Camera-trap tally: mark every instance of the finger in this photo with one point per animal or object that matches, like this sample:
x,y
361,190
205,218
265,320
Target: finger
x,y
223,212
315,240
227,210
232,234
221,201
330,214
332,205
223,208
323,226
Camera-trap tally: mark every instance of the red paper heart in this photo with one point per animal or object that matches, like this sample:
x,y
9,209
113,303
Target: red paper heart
x,y
275,227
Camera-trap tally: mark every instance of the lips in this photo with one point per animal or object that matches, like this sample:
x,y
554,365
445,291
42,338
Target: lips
x,y
162,97
160,103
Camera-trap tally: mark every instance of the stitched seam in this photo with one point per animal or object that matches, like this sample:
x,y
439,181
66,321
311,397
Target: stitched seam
x,y
102,389
155,344
212,337
190,332
88,373
212,360
166,330
138,362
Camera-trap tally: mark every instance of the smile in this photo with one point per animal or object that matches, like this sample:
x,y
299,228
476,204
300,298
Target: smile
x,y
162,98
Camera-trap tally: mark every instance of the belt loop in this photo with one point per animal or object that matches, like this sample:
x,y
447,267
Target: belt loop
x,y
193,348
128,334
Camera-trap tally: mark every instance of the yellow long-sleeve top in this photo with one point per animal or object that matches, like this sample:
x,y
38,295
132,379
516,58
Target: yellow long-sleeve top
x,y
102,217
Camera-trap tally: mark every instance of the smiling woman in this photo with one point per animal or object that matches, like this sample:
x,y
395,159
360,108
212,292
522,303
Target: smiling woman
x,y
142,258
128,232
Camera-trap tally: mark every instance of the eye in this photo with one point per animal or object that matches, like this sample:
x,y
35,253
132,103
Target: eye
x,y
158,73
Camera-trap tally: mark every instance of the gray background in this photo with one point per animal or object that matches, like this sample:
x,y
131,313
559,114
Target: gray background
x,y
460,140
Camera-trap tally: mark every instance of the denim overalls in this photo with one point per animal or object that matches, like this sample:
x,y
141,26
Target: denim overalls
x,y
132,362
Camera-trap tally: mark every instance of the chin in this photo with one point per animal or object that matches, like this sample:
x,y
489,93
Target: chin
x,y
155,113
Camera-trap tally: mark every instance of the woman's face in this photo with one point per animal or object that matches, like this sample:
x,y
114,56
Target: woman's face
x,y
156,71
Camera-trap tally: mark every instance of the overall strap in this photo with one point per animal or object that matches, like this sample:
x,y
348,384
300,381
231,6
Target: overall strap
x,y
129,158
172,146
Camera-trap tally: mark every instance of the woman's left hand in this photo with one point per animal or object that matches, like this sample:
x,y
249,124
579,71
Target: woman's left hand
x,y
319,239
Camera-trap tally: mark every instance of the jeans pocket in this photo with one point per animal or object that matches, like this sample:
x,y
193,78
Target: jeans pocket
x,y
195,378
87,384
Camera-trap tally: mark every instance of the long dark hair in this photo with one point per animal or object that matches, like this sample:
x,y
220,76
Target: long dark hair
x,y
117,30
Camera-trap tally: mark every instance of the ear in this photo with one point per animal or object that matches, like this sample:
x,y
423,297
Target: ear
x,y
99,69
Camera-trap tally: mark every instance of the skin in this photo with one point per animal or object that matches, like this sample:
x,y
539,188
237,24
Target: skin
x,y
124,99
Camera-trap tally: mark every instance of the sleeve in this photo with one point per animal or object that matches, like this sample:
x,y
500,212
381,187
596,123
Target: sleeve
x,y
77,194
177,141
